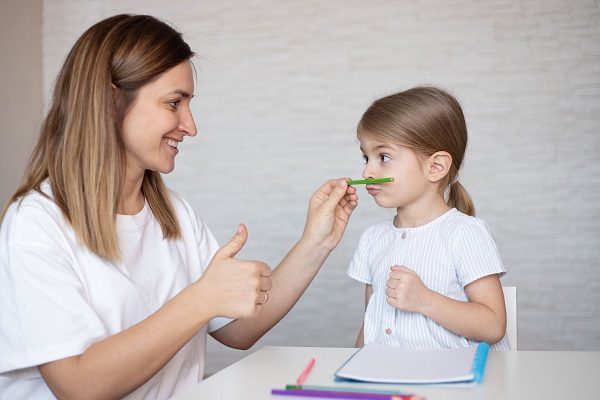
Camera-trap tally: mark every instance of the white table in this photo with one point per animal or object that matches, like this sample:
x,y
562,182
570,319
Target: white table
x,y
530,375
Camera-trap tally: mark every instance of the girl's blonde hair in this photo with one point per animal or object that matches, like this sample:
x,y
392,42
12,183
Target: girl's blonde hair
x,y
427,120
80,148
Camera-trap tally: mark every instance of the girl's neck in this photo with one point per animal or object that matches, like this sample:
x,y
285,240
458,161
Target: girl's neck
x,y
417,215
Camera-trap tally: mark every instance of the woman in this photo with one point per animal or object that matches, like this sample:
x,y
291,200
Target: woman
x,y
109,282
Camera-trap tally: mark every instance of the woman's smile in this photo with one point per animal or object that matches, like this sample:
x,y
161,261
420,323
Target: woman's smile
x,y
172,144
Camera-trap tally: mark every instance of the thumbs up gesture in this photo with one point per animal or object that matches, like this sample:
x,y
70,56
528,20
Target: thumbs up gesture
x,y
236,288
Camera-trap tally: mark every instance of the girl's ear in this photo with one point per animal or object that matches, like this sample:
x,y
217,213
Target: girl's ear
x,y
439,165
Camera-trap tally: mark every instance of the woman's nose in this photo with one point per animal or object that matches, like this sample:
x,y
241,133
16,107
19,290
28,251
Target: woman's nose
x,y
188,125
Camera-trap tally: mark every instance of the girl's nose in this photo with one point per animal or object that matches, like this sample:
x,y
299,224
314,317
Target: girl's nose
x,y
367,172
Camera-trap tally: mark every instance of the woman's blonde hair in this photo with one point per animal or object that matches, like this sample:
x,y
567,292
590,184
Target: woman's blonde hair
x,y
427,120
80,148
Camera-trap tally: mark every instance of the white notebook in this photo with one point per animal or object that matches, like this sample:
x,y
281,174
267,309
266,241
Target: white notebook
x,y
378,363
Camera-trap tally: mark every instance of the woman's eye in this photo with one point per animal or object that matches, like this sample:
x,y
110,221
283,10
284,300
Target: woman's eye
x,y
174,103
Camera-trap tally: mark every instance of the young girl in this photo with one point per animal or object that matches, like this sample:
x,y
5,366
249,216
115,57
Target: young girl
x,y
432,272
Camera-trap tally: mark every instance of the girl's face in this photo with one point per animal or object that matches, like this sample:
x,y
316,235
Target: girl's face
x,y
383,160
158,121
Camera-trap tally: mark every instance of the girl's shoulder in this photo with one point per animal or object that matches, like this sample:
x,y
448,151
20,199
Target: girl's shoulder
x,y
379,231
381,227
463,227
459,220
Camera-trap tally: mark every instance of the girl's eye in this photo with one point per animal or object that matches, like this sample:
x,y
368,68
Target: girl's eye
x,y
365,159
385,158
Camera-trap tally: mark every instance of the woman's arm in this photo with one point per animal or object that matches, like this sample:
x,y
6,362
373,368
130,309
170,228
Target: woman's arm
x,y
119,364
482,318
328,214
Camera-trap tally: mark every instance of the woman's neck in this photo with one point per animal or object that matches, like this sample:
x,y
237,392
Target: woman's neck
x,y
132,198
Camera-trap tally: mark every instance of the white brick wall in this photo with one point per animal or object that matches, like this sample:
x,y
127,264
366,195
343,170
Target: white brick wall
x,y
283,84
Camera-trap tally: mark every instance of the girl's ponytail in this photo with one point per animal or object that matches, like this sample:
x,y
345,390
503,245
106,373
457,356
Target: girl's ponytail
x,y
460,199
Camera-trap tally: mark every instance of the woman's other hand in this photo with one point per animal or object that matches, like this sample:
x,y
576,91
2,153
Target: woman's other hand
x,y
329,210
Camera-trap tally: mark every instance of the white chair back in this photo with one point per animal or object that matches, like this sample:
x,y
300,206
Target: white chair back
x,y
510,300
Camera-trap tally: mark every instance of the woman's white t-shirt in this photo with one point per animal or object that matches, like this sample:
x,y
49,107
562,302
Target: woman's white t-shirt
x,y
57,298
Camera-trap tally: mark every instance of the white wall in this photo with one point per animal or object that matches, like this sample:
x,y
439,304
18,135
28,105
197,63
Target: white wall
x,y
283,84
21,88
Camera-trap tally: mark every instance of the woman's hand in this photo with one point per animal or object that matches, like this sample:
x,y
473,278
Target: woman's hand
x,y
329,211
234,288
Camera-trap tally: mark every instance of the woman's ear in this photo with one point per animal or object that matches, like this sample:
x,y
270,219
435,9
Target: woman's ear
x,y
115,92
439,165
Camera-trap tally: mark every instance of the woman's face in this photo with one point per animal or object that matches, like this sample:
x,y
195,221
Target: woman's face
x,y
158,121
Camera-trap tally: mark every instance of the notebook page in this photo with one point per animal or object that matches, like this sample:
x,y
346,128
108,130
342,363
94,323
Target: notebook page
x,y
378,363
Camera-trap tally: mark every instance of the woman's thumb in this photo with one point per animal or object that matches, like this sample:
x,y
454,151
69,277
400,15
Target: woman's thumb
x,y
236,243
337,193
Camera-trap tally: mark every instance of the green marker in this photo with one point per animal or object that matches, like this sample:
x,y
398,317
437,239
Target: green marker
x,y
368,181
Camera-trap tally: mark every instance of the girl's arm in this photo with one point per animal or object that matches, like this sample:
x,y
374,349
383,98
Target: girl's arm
x,y
482,318
328,214
360,340
119,364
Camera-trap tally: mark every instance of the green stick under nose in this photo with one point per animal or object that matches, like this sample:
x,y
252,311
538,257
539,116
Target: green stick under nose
x,y
368,181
